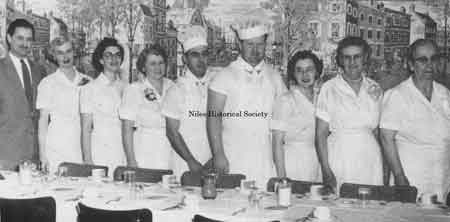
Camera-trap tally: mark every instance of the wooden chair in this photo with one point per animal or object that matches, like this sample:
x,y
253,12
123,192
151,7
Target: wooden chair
x,y
142,174
89,214
41,209
298,187
227,181
81,170
406,194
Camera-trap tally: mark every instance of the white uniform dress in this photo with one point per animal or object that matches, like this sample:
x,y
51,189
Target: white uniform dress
x,y
250,92
186,98
151,146
423,134
353,151
102,98
294,114
60,96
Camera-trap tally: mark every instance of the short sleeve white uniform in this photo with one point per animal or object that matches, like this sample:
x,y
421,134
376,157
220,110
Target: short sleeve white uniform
x,y
293,114
353,151
423,134
151,146
60,97
187,96
247,139
102,98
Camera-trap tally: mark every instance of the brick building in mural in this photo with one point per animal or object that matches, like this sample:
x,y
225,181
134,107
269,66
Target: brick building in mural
x,y
371,16
397,26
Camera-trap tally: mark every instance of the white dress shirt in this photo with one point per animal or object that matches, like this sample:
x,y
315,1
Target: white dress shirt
x,y
18,66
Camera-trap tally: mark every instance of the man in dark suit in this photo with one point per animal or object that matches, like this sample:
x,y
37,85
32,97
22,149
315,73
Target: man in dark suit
x,y
18,82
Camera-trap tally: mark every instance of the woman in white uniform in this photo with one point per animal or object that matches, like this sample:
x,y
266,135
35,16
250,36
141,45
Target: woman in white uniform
x,y
58,102
293,122
99,105
348,111
148,146
415,125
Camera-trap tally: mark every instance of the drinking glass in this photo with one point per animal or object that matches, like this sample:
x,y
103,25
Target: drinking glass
x,y
129,178
363,194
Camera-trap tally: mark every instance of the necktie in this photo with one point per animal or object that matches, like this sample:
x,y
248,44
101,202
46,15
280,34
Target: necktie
x,y
27,83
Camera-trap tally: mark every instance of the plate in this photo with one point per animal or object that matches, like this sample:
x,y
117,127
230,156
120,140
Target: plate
x,y
432,206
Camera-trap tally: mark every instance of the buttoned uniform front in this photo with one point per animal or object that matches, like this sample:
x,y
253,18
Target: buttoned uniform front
x,y
102,99
247,139
423,134
294,115
354,154
186,97
141,103
60,97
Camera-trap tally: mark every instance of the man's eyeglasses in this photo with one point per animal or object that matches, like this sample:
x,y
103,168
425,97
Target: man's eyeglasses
x,y
196,54
109,55
424,60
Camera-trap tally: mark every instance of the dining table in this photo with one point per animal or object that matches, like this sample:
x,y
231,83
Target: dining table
x,y
168,203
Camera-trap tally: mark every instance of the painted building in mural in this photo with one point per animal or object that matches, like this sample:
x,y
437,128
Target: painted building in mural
x,y
397,25
371,26
422,25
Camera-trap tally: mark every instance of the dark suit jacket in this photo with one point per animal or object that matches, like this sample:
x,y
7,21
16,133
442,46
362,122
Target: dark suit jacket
x,y
18,118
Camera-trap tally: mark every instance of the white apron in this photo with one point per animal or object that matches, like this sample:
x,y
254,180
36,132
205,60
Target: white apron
x,y
423,140
193,129
354,154
248,138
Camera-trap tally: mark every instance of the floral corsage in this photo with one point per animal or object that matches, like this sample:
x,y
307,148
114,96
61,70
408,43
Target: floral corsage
x,y
149,94
83,81
375,91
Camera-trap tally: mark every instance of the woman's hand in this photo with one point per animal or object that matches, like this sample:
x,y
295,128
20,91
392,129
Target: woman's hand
x,y
132,163
329,179
195,166
89,161
221,164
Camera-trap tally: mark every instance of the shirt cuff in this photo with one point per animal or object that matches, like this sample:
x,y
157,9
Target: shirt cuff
x,y
170,114
389,126
217,89
127,114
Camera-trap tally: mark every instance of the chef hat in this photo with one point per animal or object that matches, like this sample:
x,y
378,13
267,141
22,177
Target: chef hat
x,y
250,28
192,36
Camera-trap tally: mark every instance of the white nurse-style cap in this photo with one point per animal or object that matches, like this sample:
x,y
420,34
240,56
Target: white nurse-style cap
x,y
192,36
250,28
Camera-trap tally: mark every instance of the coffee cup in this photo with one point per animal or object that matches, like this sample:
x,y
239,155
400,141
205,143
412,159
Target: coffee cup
x,y
322,213
168,179
316,192
98,174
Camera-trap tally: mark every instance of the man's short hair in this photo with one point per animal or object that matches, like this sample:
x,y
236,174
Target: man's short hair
x,y
352,41
416,44
19,23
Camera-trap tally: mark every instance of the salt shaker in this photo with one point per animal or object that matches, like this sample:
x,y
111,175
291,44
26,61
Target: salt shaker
x,y
284,193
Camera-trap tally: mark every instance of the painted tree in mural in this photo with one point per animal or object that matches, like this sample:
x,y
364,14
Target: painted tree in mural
x,y
292,23
85,14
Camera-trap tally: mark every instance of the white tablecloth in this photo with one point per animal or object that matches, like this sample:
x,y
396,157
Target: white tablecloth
x,y
155,197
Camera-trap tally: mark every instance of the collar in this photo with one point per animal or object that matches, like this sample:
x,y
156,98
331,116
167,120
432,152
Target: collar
x,y
191,78
104,80
75,80
240,62
16,60
343,85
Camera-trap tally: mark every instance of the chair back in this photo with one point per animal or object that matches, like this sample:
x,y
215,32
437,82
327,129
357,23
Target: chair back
x,y
81,170
199,218
28,210
406,194
89,214
298,186
227,181
142,174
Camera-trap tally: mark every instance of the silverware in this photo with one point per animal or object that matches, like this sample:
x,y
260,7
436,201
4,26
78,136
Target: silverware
x,y
113,200
178,206
241,210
